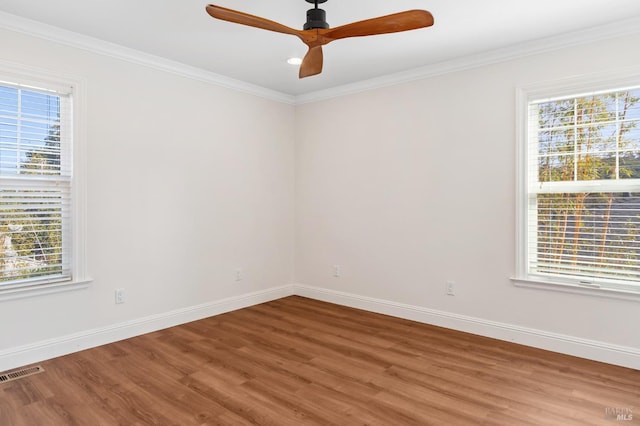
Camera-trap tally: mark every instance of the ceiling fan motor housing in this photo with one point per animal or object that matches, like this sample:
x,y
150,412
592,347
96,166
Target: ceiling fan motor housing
x,y
316,18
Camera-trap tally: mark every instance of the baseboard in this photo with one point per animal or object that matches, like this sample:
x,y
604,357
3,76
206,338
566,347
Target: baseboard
x,y
583,348
41,351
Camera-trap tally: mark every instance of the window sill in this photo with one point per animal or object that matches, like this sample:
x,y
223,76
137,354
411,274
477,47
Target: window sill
x,y
42,289
588,290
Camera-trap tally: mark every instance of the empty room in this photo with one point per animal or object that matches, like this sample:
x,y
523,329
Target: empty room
x,y
301,212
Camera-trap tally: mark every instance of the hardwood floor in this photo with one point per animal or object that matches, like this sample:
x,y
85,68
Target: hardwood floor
x,y
297,361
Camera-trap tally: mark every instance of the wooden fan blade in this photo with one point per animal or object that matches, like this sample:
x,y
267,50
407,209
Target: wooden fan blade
x,y
312,62
230,15
402,21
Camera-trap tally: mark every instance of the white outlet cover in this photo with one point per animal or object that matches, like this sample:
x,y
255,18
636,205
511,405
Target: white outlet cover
x,y
121,296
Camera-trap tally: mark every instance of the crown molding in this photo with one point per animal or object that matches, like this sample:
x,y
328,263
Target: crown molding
x,y
69,38
37,29
613,30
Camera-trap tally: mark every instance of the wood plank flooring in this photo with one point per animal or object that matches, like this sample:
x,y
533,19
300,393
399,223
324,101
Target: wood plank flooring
x,y
297,361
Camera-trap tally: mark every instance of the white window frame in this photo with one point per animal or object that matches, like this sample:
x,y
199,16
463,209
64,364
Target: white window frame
x,y
606,81
39,78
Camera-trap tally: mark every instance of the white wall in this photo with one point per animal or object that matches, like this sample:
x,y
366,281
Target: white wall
x,y
409,186
404,187
187,181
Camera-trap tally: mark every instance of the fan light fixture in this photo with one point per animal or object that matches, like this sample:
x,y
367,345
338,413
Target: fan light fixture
x,y
317,33
294,61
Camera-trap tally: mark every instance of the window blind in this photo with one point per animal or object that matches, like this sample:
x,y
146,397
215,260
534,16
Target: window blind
x,y
584,188
35,190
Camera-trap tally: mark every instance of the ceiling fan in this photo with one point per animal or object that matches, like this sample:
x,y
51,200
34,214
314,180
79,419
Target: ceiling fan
x,y
316,32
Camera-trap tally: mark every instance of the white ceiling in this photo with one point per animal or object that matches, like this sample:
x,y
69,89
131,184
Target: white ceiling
x,y
182,31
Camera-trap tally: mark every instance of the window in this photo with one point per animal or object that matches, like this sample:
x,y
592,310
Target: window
x,y
40,207
579,215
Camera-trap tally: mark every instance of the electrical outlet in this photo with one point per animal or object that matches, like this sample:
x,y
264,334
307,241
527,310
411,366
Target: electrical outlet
x,y
336,271
121,296
451,288
239,274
